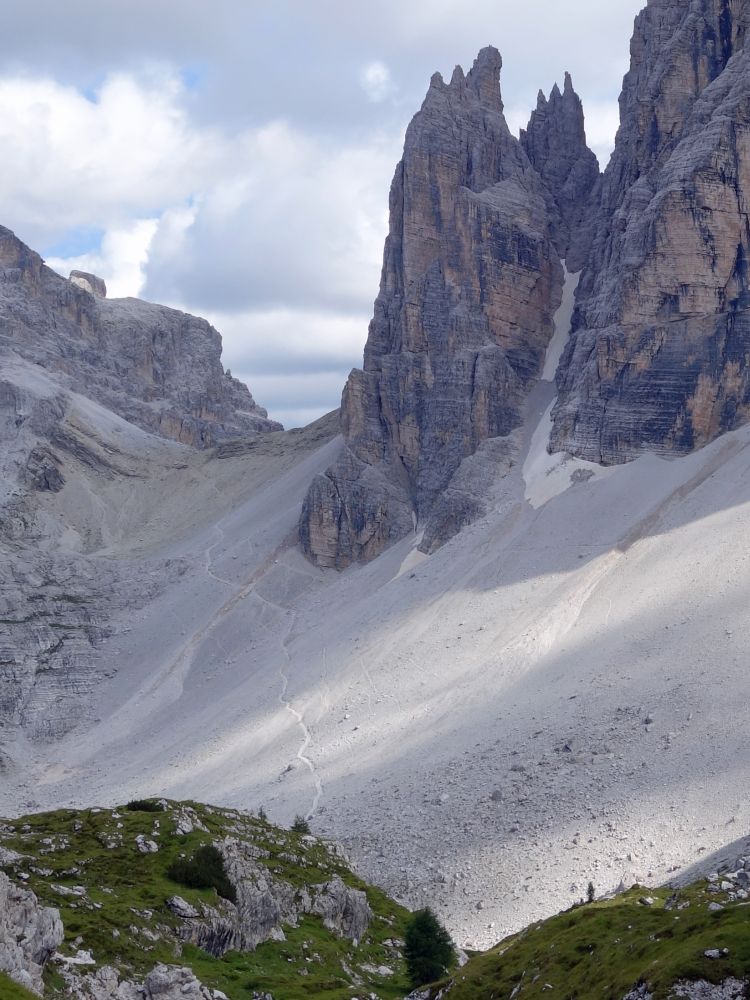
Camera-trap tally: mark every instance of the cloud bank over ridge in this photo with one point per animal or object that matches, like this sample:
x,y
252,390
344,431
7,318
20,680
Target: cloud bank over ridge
x,y
238,164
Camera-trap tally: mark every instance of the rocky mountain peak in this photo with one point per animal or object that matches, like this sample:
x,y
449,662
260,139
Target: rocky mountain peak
x,y
555,143
484,77
481,83
471,279
659,358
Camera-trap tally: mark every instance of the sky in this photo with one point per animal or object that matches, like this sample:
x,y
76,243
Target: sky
x,y
233,159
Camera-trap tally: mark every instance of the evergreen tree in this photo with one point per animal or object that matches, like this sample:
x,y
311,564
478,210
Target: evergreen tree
x,y
429,951
300,825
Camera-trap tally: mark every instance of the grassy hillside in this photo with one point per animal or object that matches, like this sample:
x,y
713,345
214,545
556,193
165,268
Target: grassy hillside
x,y
12,991
604,949
112,900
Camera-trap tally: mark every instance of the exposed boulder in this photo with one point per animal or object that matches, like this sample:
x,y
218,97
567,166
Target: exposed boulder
x,y
89,283
265,904
164,982
345,911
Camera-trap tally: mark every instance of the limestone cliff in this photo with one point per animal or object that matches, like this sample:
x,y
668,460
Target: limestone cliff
x,y
471,280
156,367
659,356
70,360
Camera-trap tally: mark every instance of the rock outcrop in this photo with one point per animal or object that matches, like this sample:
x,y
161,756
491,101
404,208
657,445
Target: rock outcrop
x,y
126,938
29,934
90,283
158,368
56,597
266,904
658,360
699,989
164,982
471,280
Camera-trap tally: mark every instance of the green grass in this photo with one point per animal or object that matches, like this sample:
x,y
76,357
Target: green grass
x,y
126,892
605,949
12,991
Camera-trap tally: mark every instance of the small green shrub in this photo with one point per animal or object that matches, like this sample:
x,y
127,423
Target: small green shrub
x,y
300,825
144,806
429,951
204,870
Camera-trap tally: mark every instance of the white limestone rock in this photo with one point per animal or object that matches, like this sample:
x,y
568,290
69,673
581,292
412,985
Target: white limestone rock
x,y
29,934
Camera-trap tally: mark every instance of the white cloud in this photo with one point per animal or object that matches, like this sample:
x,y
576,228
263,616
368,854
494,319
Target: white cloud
x,y
69,161
295,361
284,341
296,399
375,80
121,259
215,176
602,122
288,220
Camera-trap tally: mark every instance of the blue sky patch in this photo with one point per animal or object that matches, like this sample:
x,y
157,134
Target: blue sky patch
x,y
76,241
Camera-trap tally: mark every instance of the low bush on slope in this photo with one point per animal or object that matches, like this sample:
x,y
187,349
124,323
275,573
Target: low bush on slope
x,y
204,869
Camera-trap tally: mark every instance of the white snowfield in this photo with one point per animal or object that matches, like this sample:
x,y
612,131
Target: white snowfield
x,y
558,695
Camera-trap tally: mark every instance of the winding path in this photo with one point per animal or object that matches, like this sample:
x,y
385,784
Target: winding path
x,y
299,719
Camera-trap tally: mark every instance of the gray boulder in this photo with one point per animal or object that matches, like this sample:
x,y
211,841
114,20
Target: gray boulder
x,y
89,283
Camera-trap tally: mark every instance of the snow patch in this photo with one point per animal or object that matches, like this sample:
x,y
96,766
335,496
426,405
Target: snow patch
x,y
414,558
562,321
547,476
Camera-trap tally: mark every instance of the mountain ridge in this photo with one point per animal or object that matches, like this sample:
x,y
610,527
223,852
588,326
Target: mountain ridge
x,y
529,668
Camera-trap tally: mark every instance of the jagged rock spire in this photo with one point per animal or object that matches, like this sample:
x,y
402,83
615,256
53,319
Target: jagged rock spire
x,y
484,77
555,143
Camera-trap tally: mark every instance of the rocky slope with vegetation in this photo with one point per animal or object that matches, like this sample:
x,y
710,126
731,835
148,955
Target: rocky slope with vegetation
x,y
165,900
99,904
691,941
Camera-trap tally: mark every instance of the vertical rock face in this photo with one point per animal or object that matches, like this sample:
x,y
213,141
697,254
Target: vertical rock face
x,y
659,356
555,143
471,280
154,366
